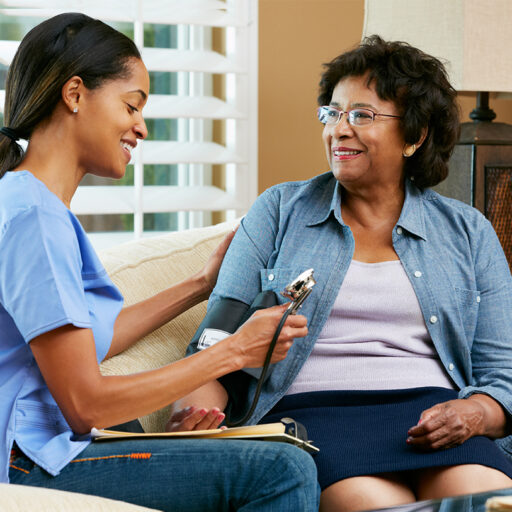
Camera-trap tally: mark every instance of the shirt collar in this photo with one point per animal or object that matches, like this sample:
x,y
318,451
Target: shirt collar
x,y
330,203
411,217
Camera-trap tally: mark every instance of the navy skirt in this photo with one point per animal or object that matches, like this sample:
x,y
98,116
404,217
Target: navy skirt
x,y
365,432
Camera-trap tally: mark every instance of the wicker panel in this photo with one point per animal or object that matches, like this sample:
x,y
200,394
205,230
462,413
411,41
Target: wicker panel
x,y
498,204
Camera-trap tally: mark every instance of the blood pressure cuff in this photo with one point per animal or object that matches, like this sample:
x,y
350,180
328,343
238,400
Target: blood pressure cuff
x,y
221,320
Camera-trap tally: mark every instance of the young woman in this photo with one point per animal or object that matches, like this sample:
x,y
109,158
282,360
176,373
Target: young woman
x,y
75,90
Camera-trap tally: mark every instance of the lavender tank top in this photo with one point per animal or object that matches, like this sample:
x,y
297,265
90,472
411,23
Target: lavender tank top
x,y
375,337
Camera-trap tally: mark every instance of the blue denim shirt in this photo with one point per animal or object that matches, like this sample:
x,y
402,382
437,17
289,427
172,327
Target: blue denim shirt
x,y
448,249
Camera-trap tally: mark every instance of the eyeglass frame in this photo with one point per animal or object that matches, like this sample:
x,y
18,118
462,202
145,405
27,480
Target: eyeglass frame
x,y
341,113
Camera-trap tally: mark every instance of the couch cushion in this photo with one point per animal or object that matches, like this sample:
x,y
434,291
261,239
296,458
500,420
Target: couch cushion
x,y
20,498
144,267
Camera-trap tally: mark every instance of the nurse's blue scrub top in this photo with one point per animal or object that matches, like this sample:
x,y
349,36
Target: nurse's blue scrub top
x,y
50,276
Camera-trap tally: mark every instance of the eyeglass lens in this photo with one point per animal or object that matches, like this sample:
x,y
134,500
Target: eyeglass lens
x,y
356,117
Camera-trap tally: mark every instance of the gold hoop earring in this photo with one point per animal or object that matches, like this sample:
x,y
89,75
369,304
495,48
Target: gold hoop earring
x,y
409,150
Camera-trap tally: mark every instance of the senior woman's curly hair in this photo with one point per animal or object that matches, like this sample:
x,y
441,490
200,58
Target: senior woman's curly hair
x,y
418,85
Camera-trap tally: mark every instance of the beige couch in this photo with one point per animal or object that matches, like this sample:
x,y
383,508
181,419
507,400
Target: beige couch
x,y
139,269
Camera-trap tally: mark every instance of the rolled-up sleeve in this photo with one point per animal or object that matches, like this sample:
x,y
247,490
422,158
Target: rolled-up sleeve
x,y
491,351
249,252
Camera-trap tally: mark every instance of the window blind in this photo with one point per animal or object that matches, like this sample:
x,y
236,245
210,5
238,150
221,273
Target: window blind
x,y
198,165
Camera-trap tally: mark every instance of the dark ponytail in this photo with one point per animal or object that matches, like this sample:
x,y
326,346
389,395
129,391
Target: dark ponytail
x,y
11,153
57,49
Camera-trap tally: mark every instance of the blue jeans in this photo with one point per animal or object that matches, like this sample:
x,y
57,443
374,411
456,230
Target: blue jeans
x,y
186,475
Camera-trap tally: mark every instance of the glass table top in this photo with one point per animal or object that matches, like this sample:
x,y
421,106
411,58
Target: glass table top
x,y
465,503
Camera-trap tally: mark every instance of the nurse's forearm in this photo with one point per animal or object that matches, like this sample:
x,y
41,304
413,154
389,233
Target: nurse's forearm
x,y
67,360
68,363
136,321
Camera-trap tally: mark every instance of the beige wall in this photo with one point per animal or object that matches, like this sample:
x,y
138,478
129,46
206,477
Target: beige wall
x,y
295,38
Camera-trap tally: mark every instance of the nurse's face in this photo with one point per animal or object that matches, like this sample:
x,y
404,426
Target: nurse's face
x,y
112,122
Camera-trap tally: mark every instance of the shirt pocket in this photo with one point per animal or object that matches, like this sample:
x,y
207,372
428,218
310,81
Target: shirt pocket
x,y
276,279
468,305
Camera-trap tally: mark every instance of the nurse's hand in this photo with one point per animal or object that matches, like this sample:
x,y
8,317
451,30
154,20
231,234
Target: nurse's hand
x,y
249,344
451,423
195,418
210,271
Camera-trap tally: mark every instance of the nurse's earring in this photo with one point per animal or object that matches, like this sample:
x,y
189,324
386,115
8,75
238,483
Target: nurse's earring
x,y
408,150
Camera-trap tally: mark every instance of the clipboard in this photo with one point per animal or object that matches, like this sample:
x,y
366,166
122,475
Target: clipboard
x,y
265,432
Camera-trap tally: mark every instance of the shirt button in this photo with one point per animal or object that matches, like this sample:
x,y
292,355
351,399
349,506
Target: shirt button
x,y
417,273
433,319
399,230
271,277
451,366
478,299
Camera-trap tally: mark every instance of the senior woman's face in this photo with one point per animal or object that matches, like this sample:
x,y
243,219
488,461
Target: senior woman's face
x,y
364,155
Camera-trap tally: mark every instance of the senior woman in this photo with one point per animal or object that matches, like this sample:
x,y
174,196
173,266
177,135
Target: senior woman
x,y
404,381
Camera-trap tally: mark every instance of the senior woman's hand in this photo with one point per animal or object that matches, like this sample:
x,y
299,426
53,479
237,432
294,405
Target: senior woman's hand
x,y
451,423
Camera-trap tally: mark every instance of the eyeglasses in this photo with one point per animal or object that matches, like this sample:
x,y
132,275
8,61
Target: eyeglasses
x,y
356,116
